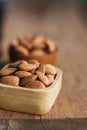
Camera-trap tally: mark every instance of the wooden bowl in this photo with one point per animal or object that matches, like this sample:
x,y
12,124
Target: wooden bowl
x,y
35,101
48,58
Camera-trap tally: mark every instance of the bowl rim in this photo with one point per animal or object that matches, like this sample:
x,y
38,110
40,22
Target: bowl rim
x,y
50,88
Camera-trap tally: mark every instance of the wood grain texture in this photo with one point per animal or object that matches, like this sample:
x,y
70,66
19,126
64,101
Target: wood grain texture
x,y
54,124
70,34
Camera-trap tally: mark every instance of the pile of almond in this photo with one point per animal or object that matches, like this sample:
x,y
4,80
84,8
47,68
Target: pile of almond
x,y
28,74
33,46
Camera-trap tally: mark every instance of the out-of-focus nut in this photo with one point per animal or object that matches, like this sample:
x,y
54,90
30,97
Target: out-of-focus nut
x,y
50,69
14,42
30,38
23,41
37,52
22,74
35,85
28,79
22,50
42,78
10,80
38,42
7,71
51,46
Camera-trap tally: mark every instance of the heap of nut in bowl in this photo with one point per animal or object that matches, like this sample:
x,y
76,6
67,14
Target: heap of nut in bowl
x,y
28,74
31,47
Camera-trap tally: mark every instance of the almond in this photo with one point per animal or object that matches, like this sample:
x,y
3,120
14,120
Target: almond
x,y
10,80
15,64
42,78
32,71
24,61
20,39
35,85
30,38
50,69
25,42
7,71
51,46
22,74
33,61
22,50
38,42
41,68
50,78
28,79
38,52
14,42
27,67
29,46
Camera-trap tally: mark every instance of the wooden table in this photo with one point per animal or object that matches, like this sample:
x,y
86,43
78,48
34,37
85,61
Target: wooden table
x,y
70,34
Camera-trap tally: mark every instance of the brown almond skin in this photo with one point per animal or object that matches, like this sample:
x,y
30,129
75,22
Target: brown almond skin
x,y
50,78
22,50
25,42
22,74
21,39
50,69
24,61
10,80
35,85
42,78
14,42
32,71
38,42
34,62
7,71
28,45
51,46
41,68
28,79
37,52
27,67
15,64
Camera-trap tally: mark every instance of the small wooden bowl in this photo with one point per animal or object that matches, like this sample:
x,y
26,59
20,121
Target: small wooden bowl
x,y
48,58
35,101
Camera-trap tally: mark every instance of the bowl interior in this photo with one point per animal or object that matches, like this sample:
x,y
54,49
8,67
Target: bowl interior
x,y
52,86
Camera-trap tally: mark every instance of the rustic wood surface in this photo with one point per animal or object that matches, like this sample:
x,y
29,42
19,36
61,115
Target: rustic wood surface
x,y
58,124
69,32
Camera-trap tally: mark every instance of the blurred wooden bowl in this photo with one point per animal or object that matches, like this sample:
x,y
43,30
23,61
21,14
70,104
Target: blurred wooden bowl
x,y
47,58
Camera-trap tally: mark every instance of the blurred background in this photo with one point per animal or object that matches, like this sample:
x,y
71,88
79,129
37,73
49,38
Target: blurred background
x,y
63,21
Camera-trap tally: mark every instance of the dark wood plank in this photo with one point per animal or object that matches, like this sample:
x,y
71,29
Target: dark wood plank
x,y
67,124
